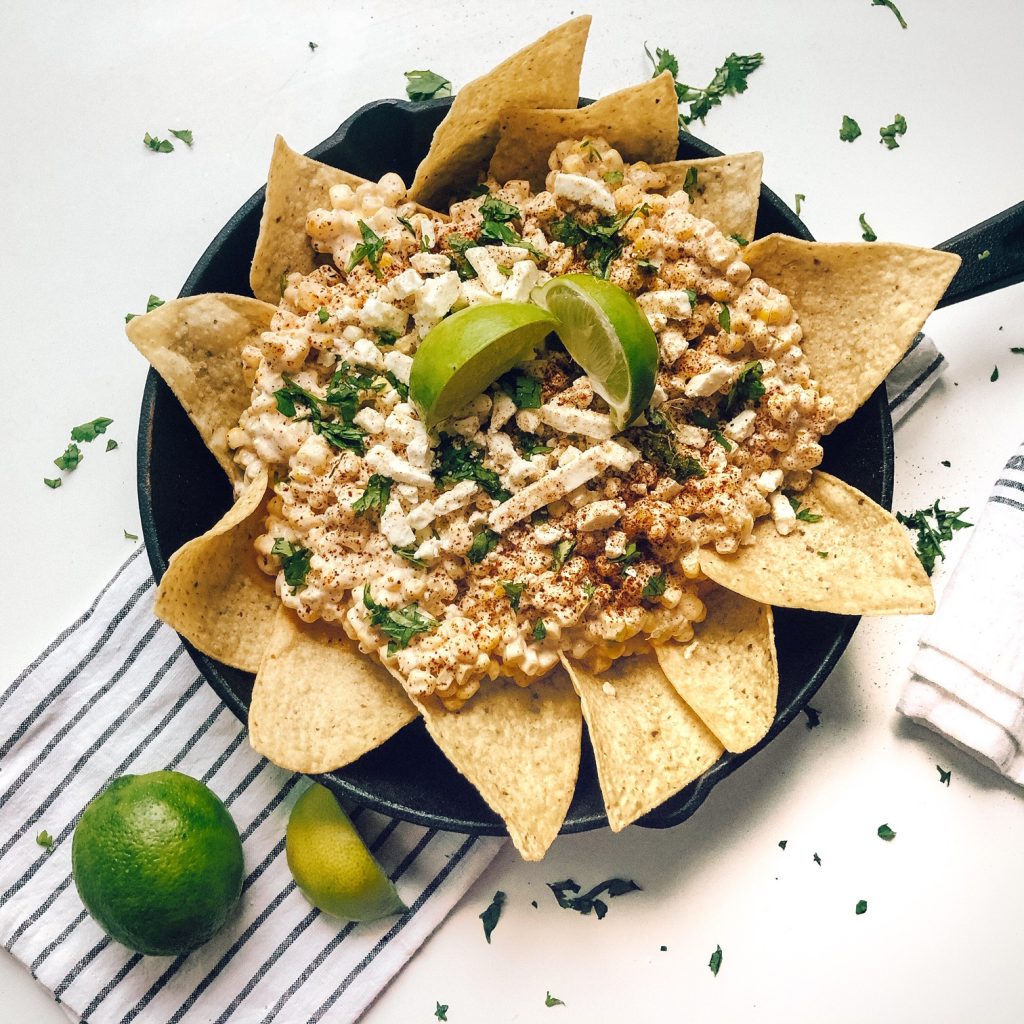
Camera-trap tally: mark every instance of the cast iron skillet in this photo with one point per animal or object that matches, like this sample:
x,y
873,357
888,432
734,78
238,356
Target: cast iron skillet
x,y
182,492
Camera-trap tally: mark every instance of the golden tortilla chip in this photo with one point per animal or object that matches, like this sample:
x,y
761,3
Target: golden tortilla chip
x,y
860,305
296,184
728,673
318,704
214,593
856,560
647,742
727,190
520,747
195,344
544,74
641,122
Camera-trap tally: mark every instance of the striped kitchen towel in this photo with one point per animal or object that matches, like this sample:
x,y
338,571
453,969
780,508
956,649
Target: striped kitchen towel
x,y
116,693
967,679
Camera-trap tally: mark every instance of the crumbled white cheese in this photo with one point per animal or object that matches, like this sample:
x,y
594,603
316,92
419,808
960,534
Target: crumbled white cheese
x,y
741,426
703,384
524,278
434,299
599,515
486,267
394,524
382,316
578,188
398,288
369,420
770,480
430,263
458,497
384,461
568,420
501,412
365,353
399,364
782,513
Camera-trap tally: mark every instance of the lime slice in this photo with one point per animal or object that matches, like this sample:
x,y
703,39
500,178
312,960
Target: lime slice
x,y
471,349
331,864
606,332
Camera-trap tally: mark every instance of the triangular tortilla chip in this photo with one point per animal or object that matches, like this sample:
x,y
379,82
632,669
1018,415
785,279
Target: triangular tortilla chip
x,y
544,74
296,184
728,673
647,742
318,704
641,122
856,560
860,305
195,344
727,190
520,747
214,593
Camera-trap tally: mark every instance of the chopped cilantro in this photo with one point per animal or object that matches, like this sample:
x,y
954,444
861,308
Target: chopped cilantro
x,y
458,459
158,145
813,717
666,61
613,177
889,132
457,245
376,496
294,561
664,949
655,587
479,190
129,536
441,1011
946,463
91,430
52,483
504,271
400,625
1017,350
861,908
628,557
323,314
849,130
725,318
729,79
386,337
561,551
409,554
426,85
800,199
111,444
344,393
185,134
492,913
407,224
600,241
944,776
550,1000
783,843
152,303
817,860
529,444
371,248
823,554
930,538
400,386
523,389
995,374
589,901
70,459
867,233
483,544
886,833
805,515
690,183
496,228
656,443
740,240
647,266
892,7
715,963
540,631
312,46
514,593
45,840
984,255
589,590
746,389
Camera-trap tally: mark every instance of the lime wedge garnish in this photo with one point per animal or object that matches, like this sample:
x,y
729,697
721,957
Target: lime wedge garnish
x,y
606,332
471,349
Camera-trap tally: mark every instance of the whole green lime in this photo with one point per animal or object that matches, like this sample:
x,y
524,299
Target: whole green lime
x,y
158,862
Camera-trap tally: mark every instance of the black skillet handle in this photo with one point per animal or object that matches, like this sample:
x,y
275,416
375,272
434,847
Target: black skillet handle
x,y
1002,238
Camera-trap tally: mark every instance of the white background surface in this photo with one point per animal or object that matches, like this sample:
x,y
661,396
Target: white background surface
x,y
93,222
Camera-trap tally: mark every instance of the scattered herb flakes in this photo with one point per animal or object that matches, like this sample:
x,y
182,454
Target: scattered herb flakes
x,y
441,1011
984,255
946,463
701,419
664,949
630,554
540,631
491,915
862,907
995,374
294,561
648,266
715,963
158,145
426,85
533,903
53,483
376,496
323,314
313,47
725,318
185,134
867,232
740,240
690,183
889,132
91,430
823,554
613,177
783,843
601,241
656,443
483,544
409,554
944,776
849,130
129,536
561,551
522,388
804,514
589,901
800,199
514,593
1017,350
152,303
655,587
817,860
111,444
589,590
746,389
371,248
45,840
813,717
457,459
550,1000
892,7
930,538
70,459
400,625
886,833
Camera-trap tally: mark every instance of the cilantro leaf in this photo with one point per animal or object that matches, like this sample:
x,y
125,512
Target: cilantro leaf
x,y
458,459
491,915
158,145
441,1011
589,590
426,85
529,444
892,7
800,198
630,555
655,587
886,833
995,374
931,537
589,902
371,248
91,430
457,246
725,318
862,907
514,593
562,550
540,631
495,209
817,860
409,554
386,337
400,625
656,443
343,394
152,303
550,1000
746,389
730,79
323,314
601,241
522,388
984,255
129,536
740,240
70,459
867,233
690,183
805,515
944,776
849,130
294,562
1017,350
701,419
401,387
666,61
185,134
45,840
313,46
782,843
375,497
613,177
111,444
813,717
889,132
715,963
52,483
483,544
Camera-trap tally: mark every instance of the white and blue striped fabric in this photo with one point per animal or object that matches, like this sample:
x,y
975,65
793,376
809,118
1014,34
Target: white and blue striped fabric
x,y
116,693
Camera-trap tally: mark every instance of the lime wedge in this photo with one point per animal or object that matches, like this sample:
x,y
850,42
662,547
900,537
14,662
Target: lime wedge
x,y
471,349
606,332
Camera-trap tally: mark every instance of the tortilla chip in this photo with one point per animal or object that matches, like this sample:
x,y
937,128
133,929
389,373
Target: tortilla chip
x,y
214,593
860,305
195,344
544,74
641,122
520,747
727,191
728,673
857,560
647,742
296,184
318,704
